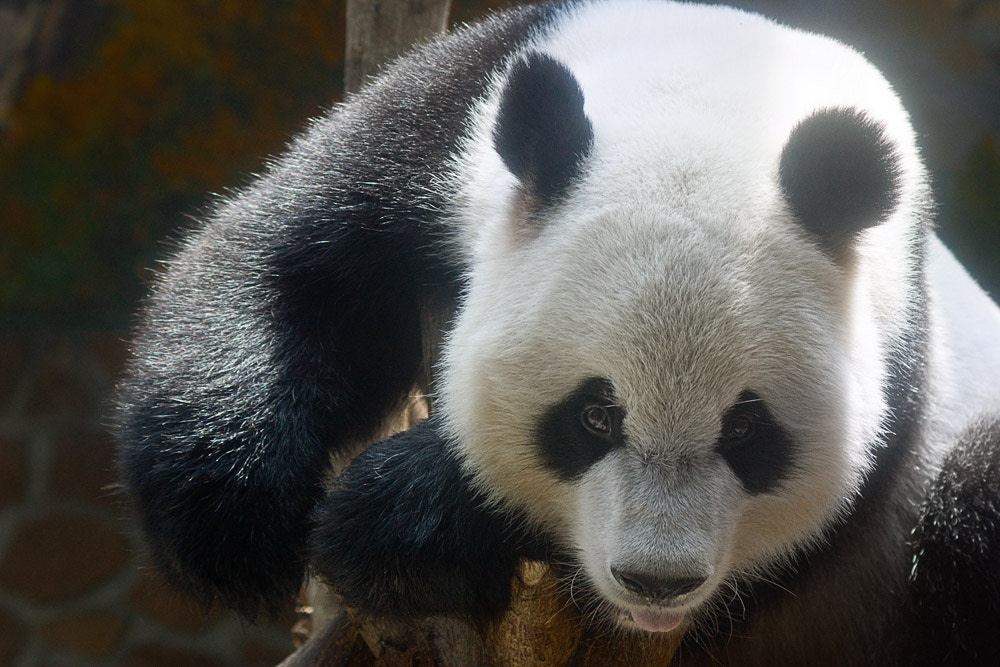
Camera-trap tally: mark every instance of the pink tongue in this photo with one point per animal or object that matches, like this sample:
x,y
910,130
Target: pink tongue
x,y
653,620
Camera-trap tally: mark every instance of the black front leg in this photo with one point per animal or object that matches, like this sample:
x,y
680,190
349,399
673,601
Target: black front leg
x,y
404,534
956,561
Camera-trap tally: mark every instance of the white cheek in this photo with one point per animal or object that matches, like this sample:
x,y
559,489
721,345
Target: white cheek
x,y
493,428
595,509
596,523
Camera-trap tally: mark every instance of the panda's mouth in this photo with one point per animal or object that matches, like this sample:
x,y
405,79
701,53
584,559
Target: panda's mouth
x,y
653,619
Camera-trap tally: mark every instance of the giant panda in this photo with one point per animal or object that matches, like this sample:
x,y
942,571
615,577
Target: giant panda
x,y
666,275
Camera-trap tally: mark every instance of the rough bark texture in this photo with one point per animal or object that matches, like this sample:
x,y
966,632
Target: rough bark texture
x,y
29,32
379,30
542,628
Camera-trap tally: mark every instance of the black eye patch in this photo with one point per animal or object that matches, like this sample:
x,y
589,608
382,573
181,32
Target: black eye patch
x,y
579,430
755,445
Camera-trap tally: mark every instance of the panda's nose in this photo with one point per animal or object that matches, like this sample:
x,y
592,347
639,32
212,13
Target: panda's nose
x,y
653,587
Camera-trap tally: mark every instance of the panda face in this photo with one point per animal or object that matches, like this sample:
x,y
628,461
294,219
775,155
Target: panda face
x,y
669,357
631,384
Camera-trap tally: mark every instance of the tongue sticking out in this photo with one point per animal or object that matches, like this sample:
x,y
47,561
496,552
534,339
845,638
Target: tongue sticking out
x,y
654,620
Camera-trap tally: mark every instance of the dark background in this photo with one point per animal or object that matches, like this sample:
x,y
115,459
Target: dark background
x,y
119,119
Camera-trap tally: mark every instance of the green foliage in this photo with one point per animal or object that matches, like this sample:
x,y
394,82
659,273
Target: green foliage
x,y
179,97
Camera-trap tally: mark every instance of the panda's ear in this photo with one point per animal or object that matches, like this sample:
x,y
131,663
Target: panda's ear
x,y
542,133
840,174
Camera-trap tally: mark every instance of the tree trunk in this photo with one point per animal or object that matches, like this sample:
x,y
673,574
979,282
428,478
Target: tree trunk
x,y
28,36
379,30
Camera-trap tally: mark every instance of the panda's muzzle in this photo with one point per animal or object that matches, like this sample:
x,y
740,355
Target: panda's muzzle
x,y
654,588
657,603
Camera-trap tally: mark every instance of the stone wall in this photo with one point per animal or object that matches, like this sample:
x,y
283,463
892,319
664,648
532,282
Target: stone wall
x,y
74,586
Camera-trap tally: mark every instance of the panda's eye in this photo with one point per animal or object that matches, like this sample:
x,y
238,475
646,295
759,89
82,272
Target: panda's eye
x,y
754,444
739,427
581,429
598,419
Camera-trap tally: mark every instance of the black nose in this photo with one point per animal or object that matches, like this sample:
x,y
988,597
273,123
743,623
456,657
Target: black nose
x,y
653,587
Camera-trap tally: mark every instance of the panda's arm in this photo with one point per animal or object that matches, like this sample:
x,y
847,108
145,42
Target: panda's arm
x,y
956,566
280,332
405,534
290,324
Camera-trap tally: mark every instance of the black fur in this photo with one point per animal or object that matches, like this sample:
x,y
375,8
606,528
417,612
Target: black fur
x,y
840,174
956,563
404,534
566,445
761,458
542,133
290,325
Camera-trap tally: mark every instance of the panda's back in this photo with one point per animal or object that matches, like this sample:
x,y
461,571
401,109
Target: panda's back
x,y
966,323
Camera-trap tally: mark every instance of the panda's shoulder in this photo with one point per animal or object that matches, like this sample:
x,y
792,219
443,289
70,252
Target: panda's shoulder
x,y
956,559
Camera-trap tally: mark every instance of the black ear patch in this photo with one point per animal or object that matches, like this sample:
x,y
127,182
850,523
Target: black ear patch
x,y
542,133
840,174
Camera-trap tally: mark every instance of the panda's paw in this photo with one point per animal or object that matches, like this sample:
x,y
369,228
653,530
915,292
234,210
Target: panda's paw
x,y
956,566
403,534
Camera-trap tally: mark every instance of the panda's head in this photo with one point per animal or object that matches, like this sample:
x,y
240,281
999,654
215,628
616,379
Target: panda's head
x,y
672,350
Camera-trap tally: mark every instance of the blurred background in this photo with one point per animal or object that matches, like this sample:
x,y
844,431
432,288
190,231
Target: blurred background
x,y
120,120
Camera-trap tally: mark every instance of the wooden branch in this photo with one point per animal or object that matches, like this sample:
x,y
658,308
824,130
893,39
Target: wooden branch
x,y
379,30
542,627
18,30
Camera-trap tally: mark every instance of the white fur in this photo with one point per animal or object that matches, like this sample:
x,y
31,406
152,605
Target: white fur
x,y
675,270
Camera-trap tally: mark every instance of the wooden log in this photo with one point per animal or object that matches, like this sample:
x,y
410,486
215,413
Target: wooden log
x,y
543,627
379,30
